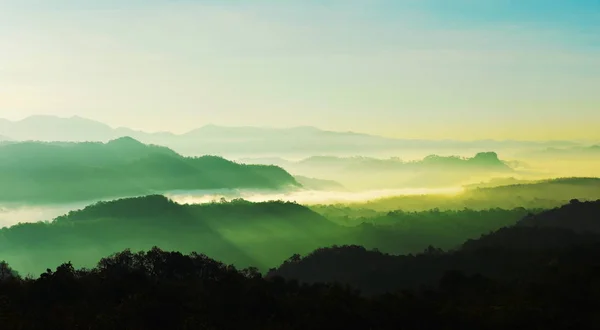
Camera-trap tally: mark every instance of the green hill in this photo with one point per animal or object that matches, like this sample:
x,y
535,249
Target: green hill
x,y
532,195
238,232
62,171
552,241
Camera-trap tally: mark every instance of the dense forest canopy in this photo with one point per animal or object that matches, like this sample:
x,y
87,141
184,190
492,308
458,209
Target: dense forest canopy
x,y
236,231
521,250
493,282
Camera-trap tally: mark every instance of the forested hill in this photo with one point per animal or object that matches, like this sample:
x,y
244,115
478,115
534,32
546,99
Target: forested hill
x,y
578,216
539,243
236,232
58,171
538,273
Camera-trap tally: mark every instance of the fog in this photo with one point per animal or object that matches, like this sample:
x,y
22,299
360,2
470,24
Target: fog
x,y
307,197
11,214
14,214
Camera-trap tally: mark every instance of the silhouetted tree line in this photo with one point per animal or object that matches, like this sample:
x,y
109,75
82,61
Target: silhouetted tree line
x,y
489,283
169,290
522,251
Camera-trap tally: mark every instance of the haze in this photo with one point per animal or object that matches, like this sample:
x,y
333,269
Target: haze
x,y
13,214
299,164
482,69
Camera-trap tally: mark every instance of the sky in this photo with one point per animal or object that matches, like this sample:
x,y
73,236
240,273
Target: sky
x,y
460,69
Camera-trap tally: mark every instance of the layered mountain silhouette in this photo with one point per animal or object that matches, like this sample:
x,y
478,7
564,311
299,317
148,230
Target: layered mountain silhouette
x,y
578,216
227,141
71,171
548,241
319,184
573,152
238,232
575,223
496,285
544,194
375,173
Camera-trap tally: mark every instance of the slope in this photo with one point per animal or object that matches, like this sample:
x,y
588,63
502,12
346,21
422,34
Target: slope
x,y
537,244
238,232
59,172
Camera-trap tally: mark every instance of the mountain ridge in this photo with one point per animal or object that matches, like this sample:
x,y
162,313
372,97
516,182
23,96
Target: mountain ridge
x,y
71,171
231,139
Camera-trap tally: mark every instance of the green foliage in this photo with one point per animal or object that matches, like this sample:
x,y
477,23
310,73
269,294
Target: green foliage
x,y
169,290
552,241
59,172
544,194
542,272
236,231
6,272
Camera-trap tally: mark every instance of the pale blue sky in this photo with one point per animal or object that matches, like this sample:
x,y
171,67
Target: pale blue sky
x,y
463,69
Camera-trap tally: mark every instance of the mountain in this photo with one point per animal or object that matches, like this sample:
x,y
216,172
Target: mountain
x,y
71,171
50,128
248,141
548,241
571,152
580,217
319,184
576,223
238,232
482,160
374,173
545,194
498,182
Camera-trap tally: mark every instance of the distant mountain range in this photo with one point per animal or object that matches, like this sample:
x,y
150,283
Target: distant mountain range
x,y
219,140
82,171
481,159
373,173
319,184
567,152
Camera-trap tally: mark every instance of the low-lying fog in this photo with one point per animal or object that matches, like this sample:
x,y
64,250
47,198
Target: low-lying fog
x,y
307,197
14,214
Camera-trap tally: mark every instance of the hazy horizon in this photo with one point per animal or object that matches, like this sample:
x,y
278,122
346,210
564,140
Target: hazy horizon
x,y
483,70
299,164
116,127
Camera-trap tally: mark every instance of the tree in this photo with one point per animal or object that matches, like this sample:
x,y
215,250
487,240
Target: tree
x,y
6,272
295,258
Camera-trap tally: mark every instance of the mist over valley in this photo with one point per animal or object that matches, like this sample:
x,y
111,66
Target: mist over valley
x,y
299,165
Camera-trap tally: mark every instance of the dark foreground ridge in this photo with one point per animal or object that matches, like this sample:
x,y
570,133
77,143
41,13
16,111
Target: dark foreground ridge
x,y
168,290
489,283
523,251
